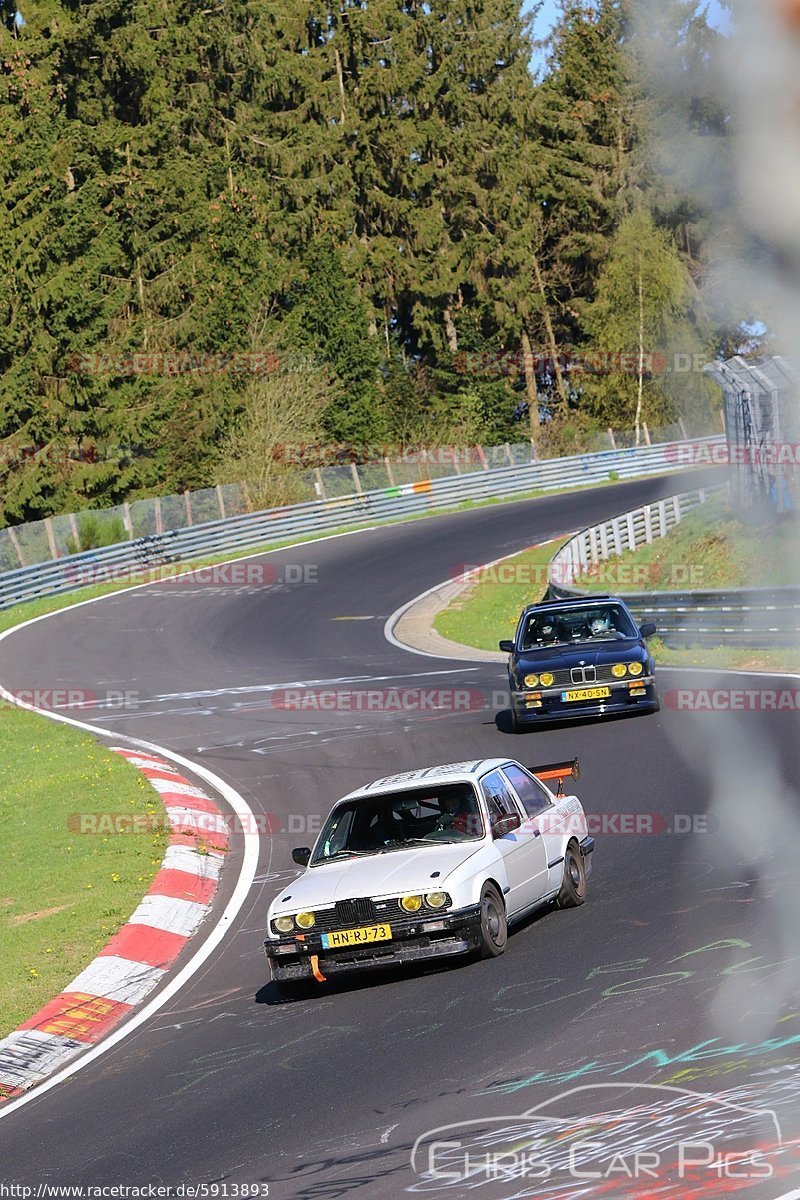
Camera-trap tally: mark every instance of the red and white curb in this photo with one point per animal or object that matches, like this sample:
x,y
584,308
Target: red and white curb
x,y
139,955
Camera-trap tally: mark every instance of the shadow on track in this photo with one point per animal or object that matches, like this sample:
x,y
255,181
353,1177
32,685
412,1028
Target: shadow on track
x,y
502,721
380,977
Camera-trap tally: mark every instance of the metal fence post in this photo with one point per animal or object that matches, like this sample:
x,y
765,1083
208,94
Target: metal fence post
x,y
14,542
631,532
51,540
662,518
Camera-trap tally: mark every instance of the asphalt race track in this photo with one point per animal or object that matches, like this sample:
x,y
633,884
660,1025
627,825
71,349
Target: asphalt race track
x,y
680,970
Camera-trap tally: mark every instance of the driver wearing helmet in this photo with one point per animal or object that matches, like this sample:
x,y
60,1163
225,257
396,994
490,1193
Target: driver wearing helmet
x,y
600,625
458,812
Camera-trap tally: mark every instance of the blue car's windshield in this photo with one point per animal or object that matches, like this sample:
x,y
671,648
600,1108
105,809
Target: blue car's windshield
x,y
566,626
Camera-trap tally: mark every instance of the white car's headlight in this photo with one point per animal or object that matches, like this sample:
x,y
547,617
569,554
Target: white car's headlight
x,y
436,899
284,924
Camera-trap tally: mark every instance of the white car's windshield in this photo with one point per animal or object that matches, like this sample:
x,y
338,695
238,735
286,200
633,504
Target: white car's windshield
x,y
394,820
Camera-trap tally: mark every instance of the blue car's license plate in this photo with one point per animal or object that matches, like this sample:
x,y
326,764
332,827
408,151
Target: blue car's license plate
x,y
598,693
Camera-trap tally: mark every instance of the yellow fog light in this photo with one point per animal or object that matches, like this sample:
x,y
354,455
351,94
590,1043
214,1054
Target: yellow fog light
x,y
284,924
305,920
436,899
547,679
618,670
531,680
635,668
411,904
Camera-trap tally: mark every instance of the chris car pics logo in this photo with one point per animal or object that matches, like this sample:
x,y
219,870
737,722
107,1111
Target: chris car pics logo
x,y
636,1139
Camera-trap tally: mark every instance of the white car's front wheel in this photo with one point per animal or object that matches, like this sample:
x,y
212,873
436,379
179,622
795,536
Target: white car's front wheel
x,y
494,926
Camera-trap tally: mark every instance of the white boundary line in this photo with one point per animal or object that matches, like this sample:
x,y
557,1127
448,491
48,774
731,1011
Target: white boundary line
x,y
243,884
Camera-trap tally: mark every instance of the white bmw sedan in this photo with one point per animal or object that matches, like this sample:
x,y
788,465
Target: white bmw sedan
x,y
428,864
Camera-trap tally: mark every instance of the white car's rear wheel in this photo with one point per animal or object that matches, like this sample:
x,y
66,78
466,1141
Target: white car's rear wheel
x,y
573,886
494,926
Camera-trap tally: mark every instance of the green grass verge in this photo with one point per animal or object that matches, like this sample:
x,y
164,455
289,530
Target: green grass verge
x,y
489,609
711,548
62,893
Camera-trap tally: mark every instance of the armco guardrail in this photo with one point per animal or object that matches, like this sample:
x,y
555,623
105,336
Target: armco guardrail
x,y
627,531
757,617
134,558
749,616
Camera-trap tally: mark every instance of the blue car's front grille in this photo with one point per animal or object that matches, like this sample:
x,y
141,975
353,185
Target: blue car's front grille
x,y
582,676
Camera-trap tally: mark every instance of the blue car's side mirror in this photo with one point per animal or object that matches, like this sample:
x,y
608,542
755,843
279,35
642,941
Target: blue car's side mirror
x,y
507,647
648,629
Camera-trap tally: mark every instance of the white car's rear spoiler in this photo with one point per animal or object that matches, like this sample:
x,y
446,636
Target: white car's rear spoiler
x,y
571,769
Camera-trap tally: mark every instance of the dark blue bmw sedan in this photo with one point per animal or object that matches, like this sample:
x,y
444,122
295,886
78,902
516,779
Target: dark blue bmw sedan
x,y
579,658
